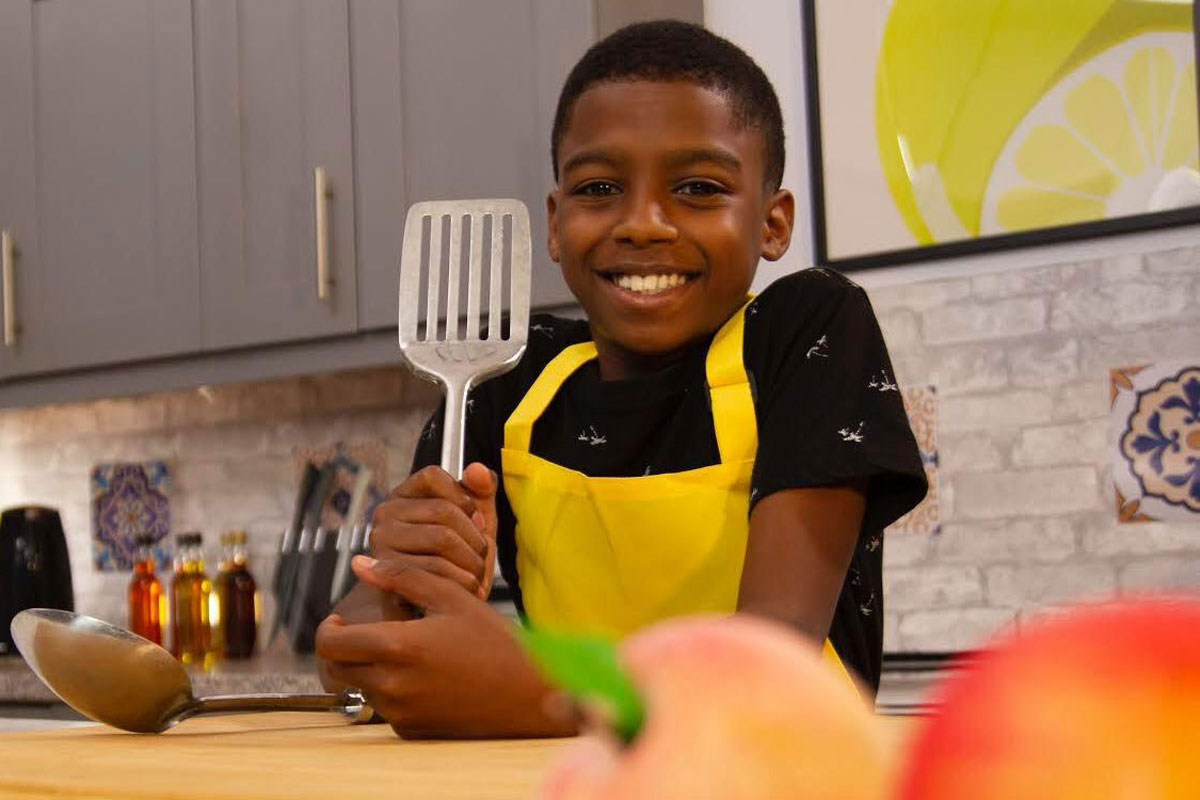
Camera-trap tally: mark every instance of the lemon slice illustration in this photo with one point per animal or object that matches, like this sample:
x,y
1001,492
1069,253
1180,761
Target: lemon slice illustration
x,y
1102,141
962,86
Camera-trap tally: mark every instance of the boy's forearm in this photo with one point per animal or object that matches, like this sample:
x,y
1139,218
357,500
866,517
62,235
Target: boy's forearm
x,y
797,554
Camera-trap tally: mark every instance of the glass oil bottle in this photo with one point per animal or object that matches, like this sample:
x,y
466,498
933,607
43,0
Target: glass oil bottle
x,y
237,594
190,592
146,597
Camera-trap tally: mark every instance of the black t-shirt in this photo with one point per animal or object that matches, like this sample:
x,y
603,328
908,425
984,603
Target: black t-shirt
x,y
827,406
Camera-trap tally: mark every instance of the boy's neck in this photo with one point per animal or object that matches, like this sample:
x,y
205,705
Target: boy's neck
x,y
616,363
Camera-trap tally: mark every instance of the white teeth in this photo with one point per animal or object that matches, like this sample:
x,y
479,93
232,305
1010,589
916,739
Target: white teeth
x,y
650,284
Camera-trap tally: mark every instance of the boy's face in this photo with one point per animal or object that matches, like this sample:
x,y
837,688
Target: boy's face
x,y
660,216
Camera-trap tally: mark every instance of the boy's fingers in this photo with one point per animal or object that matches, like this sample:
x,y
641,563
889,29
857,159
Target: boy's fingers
x,y
432,593
433,481
461,543
362,676
480,480
368,643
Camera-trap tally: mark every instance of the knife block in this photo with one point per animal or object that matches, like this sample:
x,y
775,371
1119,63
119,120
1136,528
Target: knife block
x,y
311,578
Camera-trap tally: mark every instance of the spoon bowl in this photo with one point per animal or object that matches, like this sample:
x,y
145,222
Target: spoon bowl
x,y
120,679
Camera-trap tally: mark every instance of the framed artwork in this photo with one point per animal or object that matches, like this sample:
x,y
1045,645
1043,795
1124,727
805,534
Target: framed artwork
x,y
941,127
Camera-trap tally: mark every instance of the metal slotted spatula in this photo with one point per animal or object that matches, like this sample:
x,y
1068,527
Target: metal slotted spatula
x,y
463,262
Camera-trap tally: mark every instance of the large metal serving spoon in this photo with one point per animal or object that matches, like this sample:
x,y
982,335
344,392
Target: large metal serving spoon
x,y
113,676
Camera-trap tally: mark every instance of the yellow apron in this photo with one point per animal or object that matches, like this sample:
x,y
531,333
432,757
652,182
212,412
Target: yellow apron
x,y
612,555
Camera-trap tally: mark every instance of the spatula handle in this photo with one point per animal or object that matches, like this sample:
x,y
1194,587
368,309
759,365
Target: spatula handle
x,y
454,426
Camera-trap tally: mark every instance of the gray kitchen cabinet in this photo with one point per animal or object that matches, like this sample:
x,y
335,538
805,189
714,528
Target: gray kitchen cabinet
x,y
98,181
454,99
273,108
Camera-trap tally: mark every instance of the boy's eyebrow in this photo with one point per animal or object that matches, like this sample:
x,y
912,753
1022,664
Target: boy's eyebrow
x,y
595,156
718,155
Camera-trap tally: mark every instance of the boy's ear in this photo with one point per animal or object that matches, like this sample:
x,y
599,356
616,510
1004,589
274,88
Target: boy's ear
x,y
552,225
777,225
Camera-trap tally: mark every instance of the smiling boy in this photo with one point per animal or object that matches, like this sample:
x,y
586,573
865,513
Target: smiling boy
x,y
683,450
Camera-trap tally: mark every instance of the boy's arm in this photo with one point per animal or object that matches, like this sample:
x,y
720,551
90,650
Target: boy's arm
x,y
797,554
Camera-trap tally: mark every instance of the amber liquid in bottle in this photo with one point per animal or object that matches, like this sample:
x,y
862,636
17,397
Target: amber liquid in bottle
x,y
145,597
237,592
190,591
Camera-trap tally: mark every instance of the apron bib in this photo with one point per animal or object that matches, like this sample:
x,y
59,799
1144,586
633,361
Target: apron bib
x,y
611,555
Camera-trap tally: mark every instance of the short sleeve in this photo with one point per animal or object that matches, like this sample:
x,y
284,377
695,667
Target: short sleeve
x,y
828,404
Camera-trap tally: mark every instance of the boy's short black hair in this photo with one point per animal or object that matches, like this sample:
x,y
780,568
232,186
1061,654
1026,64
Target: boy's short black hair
x,y
670,50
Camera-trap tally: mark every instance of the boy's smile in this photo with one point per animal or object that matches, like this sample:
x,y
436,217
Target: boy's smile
x,y
660,217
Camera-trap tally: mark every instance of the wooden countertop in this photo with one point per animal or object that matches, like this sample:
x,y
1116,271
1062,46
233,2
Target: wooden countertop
x,y
285,755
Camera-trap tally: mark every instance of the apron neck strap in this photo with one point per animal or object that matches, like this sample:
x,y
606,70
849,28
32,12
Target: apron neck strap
x,y
518,430
729,391
729,388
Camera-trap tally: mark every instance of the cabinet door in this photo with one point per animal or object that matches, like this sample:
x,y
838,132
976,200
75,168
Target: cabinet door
x,y
453,100
98,180
273,85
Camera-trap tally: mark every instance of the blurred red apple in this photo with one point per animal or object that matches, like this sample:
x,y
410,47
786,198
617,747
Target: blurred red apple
x,y
736,707
1100,702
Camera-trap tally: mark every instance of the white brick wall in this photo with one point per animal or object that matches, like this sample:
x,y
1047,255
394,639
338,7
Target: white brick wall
x,y
971,322
1020,360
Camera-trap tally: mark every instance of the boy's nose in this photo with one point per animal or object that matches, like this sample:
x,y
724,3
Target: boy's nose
x,y
644,223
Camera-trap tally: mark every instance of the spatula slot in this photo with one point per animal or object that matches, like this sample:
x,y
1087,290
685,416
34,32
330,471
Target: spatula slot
x,y
422,277
481,284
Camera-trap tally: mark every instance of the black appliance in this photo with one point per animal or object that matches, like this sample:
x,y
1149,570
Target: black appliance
x,y
35,569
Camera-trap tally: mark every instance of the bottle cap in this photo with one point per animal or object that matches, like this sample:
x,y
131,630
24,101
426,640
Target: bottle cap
x,y
233,537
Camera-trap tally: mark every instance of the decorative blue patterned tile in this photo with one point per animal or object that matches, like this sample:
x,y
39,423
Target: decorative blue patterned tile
x,y
129,500
1156,441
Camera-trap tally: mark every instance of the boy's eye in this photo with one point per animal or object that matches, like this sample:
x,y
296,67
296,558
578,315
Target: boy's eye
x,y
597,188
700,188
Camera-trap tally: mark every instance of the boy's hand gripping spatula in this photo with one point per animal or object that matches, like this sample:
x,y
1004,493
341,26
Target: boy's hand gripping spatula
x,y
462,262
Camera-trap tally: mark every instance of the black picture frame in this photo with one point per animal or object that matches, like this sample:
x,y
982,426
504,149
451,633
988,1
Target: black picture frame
x,y
1010,241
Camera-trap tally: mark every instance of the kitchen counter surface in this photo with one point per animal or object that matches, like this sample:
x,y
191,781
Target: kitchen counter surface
x,y
276,672
272,755
278,755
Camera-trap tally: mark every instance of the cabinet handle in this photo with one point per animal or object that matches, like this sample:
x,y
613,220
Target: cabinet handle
x,y
10,300
321,185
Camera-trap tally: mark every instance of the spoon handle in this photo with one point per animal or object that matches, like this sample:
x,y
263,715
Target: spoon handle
x,y
350,702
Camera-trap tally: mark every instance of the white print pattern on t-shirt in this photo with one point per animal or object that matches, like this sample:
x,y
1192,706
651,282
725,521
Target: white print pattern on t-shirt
x,y
591,437
883,384
852,435
545,330
818,349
